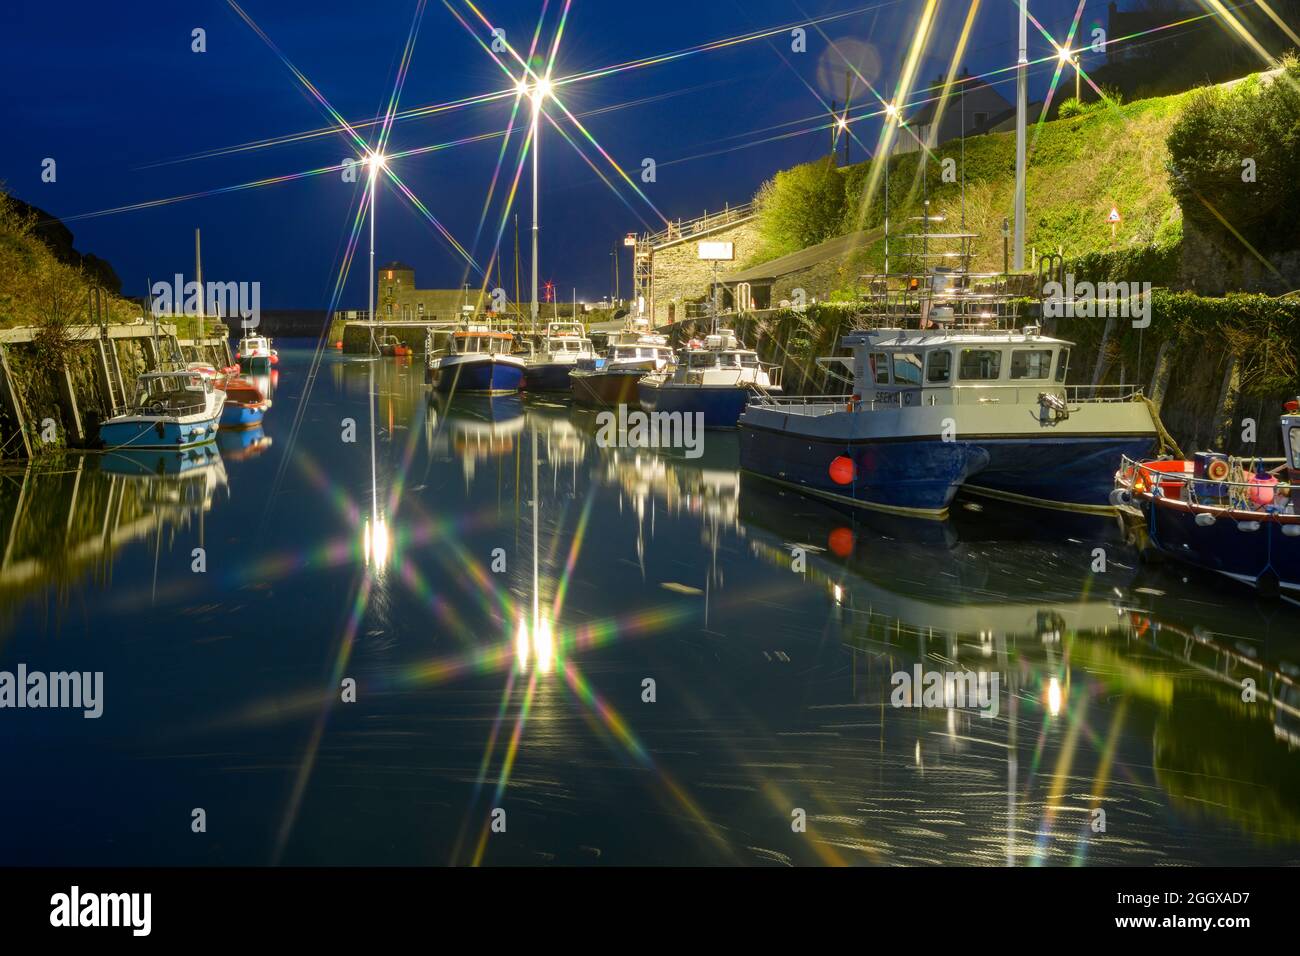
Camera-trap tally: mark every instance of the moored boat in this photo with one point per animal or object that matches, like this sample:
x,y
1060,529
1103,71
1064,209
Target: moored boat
x,y
391,346
564,346
175,409
714,378
1236,517
478,359
612,379
245,404
255,354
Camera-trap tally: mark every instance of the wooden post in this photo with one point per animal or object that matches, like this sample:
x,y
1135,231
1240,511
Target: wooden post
x,y
1103,361
1160,377
68,393
105,378
1229,396
15,403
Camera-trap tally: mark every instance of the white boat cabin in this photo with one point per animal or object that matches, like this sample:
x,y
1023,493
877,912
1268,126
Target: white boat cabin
x,y
720,360
479,339
254,345
170,393
937,367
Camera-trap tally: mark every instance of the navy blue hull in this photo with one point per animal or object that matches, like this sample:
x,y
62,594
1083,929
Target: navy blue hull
x,y
492,377
923,475
1072,472
547,377
902,477
720,405
1265,558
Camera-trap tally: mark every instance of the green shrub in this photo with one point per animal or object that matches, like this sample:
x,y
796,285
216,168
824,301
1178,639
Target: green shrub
x,y
800,207
1234,156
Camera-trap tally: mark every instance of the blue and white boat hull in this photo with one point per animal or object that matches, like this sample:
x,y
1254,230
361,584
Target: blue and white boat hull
x,y
491,374
720,405
241,416
137,432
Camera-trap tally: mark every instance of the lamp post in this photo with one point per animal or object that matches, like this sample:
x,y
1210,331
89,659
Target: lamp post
x,y
537,93
1022,97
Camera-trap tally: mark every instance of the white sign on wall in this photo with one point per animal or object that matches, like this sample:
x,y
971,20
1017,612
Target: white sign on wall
x,y
717,251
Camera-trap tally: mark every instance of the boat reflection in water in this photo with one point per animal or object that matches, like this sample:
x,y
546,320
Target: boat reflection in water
x,y
473,428
1157,678
243,444
58,528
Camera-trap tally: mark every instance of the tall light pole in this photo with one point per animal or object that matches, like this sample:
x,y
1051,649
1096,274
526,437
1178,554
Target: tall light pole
x,y
538,93
1022,103
376,162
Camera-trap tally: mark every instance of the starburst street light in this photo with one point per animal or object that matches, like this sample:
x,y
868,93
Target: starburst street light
x,y
537,92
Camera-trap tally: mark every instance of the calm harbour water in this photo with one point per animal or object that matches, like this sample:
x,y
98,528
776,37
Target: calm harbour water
x,y
1120,690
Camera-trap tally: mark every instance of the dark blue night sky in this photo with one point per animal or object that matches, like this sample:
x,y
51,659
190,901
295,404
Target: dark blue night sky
x,y
106,89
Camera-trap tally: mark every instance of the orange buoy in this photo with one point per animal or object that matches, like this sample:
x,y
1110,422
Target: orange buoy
x,y
338,344
842,470
841,542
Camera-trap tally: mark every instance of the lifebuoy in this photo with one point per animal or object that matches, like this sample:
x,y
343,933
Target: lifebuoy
x,y
1217,470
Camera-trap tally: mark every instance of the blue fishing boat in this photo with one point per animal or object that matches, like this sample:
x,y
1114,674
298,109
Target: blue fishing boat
x,y
714,377
174,409
478,359
1236,517
948,390
563,347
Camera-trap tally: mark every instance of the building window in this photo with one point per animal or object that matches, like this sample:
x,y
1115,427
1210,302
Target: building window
x,y
980,120
981,364
390,308
420,307
390,290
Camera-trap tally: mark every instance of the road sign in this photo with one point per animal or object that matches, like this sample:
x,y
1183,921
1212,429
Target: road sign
x,y
1114,215
717,251
629,239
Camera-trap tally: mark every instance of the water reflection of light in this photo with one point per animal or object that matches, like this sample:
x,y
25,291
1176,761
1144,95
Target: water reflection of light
x,y
376,542
537,645
1054,697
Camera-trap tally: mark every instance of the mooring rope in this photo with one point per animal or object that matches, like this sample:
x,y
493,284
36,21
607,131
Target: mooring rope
x,y
1167,442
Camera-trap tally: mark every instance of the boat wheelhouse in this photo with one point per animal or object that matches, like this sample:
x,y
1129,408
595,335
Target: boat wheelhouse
x,y
171,409
714,377
1237,517
564,346
478,359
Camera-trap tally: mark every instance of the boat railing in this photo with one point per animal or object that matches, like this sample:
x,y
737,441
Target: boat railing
x,y
1080,394
1240,490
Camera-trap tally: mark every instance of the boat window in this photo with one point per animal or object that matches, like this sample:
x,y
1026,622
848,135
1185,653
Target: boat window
x,y
938,366
1295,446
698,360
981,364
749,360
907,368
1063,365
880,368
1031,363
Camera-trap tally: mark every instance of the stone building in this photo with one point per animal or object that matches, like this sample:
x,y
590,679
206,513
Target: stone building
x,y
970,108
810,275
398,299
675,278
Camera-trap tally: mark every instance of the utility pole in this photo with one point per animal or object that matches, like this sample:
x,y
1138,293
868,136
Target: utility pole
x,y
848,99
1022,104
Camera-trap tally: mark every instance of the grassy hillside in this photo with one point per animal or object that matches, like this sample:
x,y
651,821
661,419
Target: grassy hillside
x,y
35,287
1078,169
